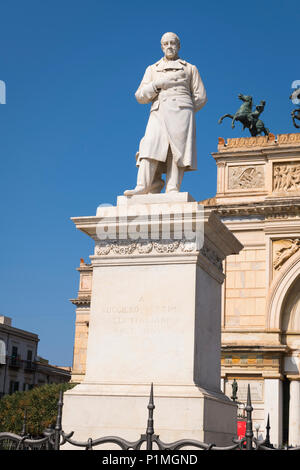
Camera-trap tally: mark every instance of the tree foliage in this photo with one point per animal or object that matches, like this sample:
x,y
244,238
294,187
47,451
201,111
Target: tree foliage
x,y
41,407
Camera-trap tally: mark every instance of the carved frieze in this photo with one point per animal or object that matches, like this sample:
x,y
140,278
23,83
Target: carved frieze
x,y
236,143
286,177
288,138
246,177
128,247
283,250
212,256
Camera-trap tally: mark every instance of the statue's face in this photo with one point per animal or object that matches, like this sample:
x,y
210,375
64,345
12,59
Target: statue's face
x,y
170,46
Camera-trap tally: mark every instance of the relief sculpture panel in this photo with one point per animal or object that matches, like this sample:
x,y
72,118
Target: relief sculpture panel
x,y
286,177
246,177
283,250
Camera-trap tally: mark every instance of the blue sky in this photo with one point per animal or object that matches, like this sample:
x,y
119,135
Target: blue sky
x,y
71,125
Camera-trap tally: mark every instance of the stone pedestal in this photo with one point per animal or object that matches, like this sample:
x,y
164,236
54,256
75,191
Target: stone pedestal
x,y
155,317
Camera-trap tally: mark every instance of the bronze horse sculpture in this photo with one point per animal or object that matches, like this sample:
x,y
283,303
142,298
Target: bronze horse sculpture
x,y
248,117
296,112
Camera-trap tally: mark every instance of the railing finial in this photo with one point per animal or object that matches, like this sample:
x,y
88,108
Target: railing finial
x,y
249,430
150,423
58,425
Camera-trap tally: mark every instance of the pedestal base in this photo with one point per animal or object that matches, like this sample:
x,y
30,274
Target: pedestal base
x,y
155,317
181,412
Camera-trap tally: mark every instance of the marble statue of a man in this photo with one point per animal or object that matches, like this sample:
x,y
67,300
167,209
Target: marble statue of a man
x,y
175,89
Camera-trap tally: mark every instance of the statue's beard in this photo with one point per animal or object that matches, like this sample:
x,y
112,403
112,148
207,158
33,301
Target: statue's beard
x,y
170,54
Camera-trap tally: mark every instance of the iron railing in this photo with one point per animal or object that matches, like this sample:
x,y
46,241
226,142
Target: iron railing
x,y
55,438
16,362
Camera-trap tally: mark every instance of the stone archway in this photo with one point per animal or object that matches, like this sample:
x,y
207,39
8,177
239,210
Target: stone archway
x,y
279,293
290,313
283,316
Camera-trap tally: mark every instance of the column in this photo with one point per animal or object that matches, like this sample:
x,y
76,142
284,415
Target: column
x,y
273,407
294,413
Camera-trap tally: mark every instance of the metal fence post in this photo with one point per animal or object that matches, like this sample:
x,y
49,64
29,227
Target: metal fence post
x,y
267,440
249,430
58,427
150,423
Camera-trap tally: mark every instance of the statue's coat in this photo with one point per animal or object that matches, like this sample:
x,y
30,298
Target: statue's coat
x,y
172,116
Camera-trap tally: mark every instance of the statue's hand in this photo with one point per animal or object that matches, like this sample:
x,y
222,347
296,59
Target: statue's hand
x,y
161,84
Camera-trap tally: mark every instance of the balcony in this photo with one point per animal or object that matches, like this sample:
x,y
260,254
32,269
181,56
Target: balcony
x,y
14,362
29,366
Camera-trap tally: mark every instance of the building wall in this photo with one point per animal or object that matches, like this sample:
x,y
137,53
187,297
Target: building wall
x,y
16,370
82,303
21,372
258,199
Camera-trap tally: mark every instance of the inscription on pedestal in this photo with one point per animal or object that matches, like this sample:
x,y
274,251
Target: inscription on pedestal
x,y
139,318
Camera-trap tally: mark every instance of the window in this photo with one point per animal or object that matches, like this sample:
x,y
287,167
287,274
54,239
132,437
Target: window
x,y
27,387
29,363
14,352
2,352
13,386
14,360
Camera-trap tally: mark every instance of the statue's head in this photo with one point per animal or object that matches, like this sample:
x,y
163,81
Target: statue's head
x,y
246,98
170,44
295,96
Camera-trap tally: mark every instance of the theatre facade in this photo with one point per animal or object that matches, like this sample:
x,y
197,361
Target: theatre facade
x,y
258,198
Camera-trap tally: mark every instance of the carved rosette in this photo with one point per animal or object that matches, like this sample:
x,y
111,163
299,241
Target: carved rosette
x,y
118,247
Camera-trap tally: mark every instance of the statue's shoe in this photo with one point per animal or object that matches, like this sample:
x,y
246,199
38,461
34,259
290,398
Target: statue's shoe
x,y
137,190
172,190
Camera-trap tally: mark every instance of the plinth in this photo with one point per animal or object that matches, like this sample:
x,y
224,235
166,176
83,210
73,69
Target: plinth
x,y
155,317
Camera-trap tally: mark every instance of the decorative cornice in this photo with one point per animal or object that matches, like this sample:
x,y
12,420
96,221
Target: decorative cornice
x,y
254,348
259,141
81,301
127,247
266,208
212,256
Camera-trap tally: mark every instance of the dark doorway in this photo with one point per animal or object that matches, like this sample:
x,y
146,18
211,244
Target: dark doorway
x,y
285,410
